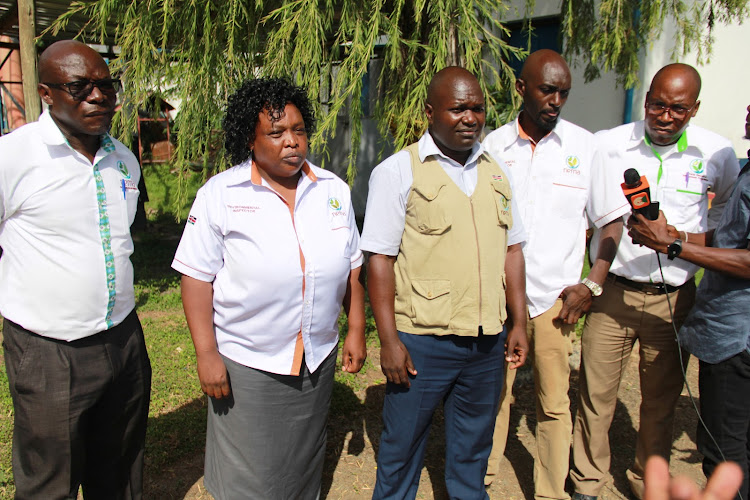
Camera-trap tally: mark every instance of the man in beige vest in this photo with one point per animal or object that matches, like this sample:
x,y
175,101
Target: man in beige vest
x,y
445,265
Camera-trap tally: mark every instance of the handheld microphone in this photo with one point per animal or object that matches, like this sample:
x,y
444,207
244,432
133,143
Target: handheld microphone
x,y
637,191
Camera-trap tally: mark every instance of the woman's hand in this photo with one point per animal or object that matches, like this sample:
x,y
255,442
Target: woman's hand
x,y
212,374
354,353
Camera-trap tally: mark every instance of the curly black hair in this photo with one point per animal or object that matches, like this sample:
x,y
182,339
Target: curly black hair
x,y
245,105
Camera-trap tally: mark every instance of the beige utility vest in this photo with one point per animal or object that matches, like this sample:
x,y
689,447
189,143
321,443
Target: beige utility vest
x,y
450,269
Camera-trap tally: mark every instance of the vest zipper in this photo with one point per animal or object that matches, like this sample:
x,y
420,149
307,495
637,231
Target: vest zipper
x,y
479,258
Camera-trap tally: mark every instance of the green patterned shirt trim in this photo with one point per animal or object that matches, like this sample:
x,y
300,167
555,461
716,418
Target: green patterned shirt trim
x,y
104,230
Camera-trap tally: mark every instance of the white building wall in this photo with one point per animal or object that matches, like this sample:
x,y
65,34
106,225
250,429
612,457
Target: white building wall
x,y
725,94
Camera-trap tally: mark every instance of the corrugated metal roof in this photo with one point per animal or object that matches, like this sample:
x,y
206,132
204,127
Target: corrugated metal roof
x,y
46,12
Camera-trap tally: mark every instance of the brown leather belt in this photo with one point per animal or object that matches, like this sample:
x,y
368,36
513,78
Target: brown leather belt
x,y
650,288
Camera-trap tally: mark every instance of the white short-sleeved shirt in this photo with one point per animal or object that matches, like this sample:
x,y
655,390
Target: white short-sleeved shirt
x,y
702,159
560,187
65,272
390,183
240,235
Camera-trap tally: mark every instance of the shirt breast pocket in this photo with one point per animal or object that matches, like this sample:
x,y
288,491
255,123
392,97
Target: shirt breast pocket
x,y
683,196
432,217
567,199
338,234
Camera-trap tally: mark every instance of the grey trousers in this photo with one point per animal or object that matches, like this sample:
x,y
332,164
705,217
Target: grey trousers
x,y
80,412
268,438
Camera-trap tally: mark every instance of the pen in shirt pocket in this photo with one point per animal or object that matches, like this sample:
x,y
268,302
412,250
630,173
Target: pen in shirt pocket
x,y
124,189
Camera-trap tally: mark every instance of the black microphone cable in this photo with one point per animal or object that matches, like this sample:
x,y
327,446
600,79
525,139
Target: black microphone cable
x,y
684,368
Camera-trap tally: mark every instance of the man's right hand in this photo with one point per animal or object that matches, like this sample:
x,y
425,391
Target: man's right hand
x,y
212,374
396,363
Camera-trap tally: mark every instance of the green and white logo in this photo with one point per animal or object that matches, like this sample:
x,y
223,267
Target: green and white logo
x,y
697,166
334,203
123,169
505,203
572,161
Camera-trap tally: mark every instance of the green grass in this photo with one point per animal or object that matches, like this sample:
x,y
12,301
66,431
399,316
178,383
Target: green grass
x,y
177,416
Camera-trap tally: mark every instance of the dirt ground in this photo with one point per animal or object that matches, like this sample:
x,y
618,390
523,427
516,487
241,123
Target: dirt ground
x,y
353,443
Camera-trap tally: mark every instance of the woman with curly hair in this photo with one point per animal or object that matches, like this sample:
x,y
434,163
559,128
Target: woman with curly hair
x,y
269,254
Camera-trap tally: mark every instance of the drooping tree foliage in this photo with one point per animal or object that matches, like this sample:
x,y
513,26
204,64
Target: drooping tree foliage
x,y
608,34
198,51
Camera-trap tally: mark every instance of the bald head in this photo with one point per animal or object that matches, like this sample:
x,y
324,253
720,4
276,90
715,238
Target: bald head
x,y
455,112
685,74
538,61
671,101
61,54
447,79
75,83
544,85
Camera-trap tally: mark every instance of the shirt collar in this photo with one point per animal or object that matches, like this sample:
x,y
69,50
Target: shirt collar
x,y
638,137
557,133
247,171
427,147
51,135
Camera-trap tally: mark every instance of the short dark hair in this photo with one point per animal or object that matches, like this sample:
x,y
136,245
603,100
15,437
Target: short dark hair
x,y
249,100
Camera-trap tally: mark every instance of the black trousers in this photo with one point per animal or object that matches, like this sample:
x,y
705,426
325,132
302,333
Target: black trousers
x,y
80,410
725,407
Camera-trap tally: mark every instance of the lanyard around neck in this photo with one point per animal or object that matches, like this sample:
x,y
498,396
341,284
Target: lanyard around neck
x,y
682,145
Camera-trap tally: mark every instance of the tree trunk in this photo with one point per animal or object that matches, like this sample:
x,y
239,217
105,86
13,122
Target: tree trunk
x,y
26,35
453,55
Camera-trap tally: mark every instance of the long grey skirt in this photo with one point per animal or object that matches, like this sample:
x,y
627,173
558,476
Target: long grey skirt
x,y
267,440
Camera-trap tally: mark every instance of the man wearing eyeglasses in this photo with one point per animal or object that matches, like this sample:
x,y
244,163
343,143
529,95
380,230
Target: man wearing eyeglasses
x,y
681,163
75,355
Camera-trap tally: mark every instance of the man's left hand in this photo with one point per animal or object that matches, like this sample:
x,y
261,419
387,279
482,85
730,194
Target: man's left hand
x,y
516,348
655,234
576,302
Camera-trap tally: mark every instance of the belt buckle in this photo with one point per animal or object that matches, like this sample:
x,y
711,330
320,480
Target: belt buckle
x,y
653,288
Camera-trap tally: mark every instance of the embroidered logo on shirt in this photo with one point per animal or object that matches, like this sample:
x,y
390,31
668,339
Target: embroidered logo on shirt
x,y
572,163
505,203
192,219
123,169
497,178
248,209
697,166
334,203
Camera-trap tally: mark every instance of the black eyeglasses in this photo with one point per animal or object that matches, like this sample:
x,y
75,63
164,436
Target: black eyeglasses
x,y
676,111
80,89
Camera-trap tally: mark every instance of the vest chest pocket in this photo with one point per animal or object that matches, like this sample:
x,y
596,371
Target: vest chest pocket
x,y
431,302
502,196
431,216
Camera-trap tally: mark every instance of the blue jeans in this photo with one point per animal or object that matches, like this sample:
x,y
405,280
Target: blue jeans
x,y
725,407
466,373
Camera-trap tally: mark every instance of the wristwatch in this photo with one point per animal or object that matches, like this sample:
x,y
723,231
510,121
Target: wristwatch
x,y
595,288
674,249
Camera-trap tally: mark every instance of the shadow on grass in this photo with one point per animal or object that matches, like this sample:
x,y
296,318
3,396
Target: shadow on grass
x,y
175,444
154,277
346,415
